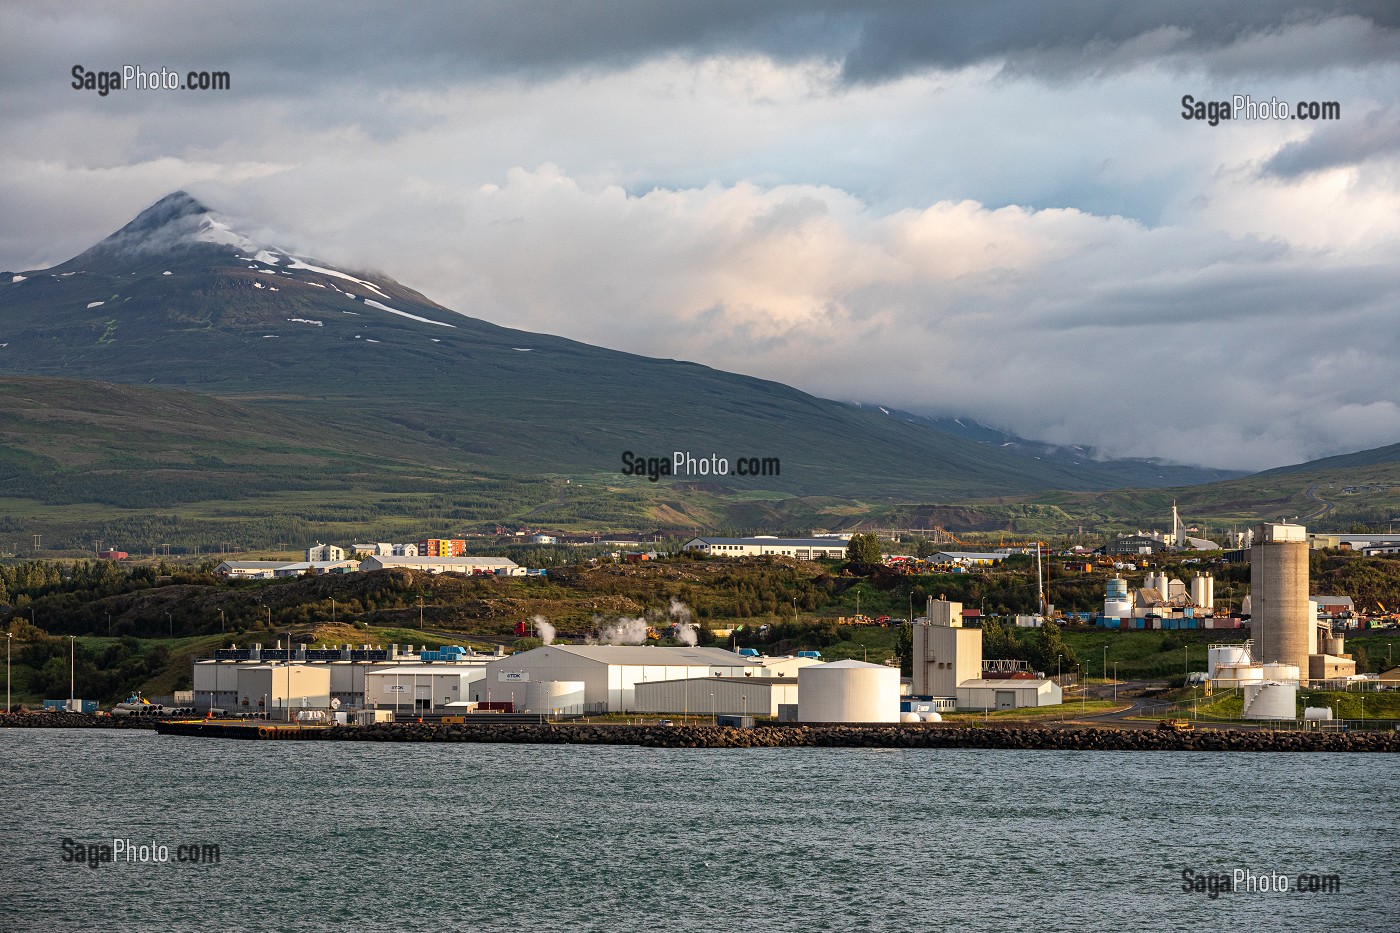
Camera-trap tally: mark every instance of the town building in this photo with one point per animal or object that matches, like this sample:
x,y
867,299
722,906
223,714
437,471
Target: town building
x,y
442,547
324,552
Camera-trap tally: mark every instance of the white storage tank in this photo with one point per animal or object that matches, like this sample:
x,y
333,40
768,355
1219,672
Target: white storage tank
x,y
1270,701
1218,655
1281,673
848,691
1317,713
932,716
1237,675
546,696
909,717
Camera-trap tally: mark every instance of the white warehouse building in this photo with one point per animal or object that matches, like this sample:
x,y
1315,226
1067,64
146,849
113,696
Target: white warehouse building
x,y
610,673
420,687
717,696
467,565
763,545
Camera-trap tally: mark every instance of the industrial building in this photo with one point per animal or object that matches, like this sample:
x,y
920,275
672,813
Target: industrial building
x,y
945,653
279,690
948,666
764,545
324,552
268,569
1008,693
218,681
610,673
969,558
722,696
468,565
420,687
1161,602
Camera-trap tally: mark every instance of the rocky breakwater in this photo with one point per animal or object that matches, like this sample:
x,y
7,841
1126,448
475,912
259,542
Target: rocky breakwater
x,y
840,736
32,720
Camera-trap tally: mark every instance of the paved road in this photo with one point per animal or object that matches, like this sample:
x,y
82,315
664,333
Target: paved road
x,y
1151,708
1325,505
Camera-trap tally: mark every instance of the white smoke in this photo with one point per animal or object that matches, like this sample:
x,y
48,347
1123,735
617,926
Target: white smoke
x,y
544,630
623,632
686,632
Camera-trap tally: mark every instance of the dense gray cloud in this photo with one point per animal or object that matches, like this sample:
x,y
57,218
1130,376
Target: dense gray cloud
x,y
1374,135
964,210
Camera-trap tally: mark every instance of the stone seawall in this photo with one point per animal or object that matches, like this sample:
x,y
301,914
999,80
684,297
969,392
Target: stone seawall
x,y
74,721
836,736
811,736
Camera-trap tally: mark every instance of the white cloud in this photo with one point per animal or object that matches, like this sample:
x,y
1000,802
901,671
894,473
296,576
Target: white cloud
x,y
1066,258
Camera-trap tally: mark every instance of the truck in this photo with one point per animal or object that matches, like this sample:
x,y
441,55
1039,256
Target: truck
x,y
1175,725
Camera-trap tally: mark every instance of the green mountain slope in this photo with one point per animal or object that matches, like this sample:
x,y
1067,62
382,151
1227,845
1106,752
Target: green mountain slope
x,y
178,299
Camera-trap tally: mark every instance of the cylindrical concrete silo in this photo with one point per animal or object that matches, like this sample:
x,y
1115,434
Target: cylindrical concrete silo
x,y
848,691
1203,590
1278,578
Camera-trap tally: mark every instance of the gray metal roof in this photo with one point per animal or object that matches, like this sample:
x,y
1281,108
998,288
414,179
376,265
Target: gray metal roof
x,y
649,655
778,542
400,561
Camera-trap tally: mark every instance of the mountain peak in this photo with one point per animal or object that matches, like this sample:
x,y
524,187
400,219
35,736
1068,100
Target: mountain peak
x,y
168,209
175,221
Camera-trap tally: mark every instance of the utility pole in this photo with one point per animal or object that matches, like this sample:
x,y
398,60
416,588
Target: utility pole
x,y
72,669
9,639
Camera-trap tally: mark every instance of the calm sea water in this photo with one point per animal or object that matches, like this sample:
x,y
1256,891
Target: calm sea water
x,y
519,837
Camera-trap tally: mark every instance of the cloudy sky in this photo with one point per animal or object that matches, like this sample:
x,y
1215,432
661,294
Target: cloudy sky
x,y
993,210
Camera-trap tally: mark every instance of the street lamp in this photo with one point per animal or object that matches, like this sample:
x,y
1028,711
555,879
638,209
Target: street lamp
x,y
420,613
221,622
72,669
1115,681
1105,662
9,639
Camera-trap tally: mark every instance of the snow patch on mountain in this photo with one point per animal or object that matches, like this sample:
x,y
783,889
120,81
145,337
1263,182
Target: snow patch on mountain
x,y
374,304
298,264
215,231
